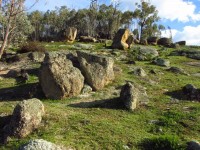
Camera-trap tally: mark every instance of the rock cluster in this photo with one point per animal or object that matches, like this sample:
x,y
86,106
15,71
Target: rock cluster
x,y
61,76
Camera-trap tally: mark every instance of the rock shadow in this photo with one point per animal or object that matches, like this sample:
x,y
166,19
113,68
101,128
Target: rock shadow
x,y
23,91
4,120
178,94
114,103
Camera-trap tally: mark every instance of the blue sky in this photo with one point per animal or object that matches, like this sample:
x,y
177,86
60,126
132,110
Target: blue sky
x,y
183,16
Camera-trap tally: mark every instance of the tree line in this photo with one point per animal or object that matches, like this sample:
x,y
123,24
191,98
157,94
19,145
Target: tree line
x,y
99,21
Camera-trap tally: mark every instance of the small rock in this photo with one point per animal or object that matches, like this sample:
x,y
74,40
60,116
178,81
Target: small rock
x,y
86,89
140,72
176,70
162,62
40,144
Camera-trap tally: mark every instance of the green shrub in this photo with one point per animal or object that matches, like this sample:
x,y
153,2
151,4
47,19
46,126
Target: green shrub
x,y
165,142
31,47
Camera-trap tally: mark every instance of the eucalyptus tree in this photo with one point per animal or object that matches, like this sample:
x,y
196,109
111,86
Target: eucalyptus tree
x,y
147,16
10,12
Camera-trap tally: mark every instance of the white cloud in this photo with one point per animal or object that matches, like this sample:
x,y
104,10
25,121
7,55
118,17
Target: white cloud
x,y
176,10
181,10
190,34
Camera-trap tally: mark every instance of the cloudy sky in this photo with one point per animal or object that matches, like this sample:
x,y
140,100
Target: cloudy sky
x,y
183,16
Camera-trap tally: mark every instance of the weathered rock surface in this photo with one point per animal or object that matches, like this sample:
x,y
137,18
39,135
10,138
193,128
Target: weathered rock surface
x,y
71,33
59,78
146,53
84,46
190,53
87,39
177,70
26,117
182,43
40,144
193,145
97,70
120,39
140,72
152,40
191,92
162,62
164,41
131,96
37,56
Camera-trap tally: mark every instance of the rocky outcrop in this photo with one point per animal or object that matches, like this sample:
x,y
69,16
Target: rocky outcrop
x,y
59,78
71,33
40,144
97,70
162,62
26,117
120,39
181,43
131,96
87,39
146,53
164,41
152,40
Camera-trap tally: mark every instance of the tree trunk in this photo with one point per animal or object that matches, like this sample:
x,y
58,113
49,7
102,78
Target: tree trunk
x,y
5,38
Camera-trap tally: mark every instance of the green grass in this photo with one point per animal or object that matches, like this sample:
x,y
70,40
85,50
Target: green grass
x,y
105,128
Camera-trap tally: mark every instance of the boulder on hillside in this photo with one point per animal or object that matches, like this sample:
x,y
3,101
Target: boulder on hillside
x,y
131,96
193,145
26,117
148,52
59,78
139,72
162,62
152,40
40,144
181,43
120,39
164,41
71,33
87,39
97,70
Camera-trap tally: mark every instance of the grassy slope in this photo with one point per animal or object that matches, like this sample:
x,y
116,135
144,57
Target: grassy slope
x,y
105,128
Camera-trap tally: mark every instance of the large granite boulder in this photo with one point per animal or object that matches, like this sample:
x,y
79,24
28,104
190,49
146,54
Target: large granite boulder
x,y
40,144
87,39
59,78
120,39
181,43
152,40
71,33
146,52
162,62
26,117
97,70
131,96
164,41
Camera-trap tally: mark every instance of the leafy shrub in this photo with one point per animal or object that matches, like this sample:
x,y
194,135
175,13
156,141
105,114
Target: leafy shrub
x,y
31,47
165,142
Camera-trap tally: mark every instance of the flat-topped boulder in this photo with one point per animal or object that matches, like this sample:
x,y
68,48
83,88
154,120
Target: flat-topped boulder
x,y
59,78
97,70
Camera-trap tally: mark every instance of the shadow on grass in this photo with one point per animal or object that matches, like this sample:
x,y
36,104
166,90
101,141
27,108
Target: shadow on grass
x,y
178,94
114,103
23,91
4,120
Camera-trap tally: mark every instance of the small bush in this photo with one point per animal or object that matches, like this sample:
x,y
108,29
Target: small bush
x,y
31,47
166,142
